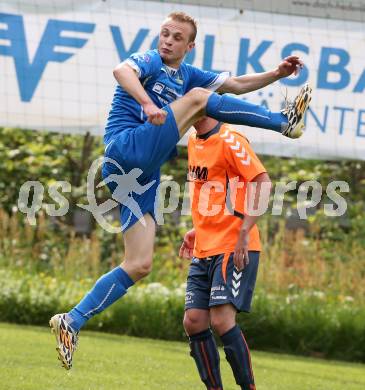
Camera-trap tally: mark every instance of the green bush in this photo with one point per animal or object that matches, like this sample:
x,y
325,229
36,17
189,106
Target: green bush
x,y
304,323
309,324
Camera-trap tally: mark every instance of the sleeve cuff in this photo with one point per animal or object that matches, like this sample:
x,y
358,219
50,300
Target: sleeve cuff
x,y
218,81
254,174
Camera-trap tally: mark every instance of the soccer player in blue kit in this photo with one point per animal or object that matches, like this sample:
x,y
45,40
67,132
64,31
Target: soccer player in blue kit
x,y
159,97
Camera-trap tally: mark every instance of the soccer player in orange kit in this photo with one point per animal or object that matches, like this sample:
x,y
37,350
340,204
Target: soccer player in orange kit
x,y
227,182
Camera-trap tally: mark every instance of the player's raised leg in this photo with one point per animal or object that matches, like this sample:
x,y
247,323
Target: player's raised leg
x,y
149,146
199,102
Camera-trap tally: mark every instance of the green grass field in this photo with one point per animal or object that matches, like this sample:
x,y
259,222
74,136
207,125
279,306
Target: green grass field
x,y
104,361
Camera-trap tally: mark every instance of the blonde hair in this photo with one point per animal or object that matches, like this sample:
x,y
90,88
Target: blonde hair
x,y
185,18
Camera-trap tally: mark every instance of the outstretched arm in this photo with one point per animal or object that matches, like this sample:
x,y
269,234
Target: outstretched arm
x,y
128,79
251,82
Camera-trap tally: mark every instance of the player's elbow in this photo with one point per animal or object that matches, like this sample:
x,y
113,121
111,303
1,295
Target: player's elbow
x,y
118,71
264,181
237,87
122,70
265,177
262,178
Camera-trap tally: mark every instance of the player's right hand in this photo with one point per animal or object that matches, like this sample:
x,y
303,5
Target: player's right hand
x,y
187,247
155,115
240,256
290,65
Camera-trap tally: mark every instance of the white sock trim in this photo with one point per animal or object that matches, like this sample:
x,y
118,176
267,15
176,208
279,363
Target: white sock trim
x,y
244,112
102,302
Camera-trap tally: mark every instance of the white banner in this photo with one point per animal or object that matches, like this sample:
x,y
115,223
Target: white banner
x,y
56,62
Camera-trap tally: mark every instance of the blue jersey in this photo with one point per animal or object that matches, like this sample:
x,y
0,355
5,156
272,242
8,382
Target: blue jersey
x,y
162,84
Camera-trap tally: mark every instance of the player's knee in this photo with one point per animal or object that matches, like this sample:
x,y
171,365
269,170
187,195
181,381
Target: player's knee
x,y
199,96
194,323
220,324
139,268
144,268
189,325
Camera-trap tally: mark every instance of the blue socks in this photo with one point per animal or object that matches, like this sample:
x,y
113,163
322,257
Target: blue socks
x,y
238,356
205,353
109,288
236,111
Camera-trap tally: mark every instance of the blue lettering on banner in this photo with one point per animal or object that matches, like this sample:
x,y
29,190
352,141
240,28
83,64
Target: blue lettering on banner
x,y
339,68
360,85
244,58
361,124
119,43
356,116
342,117
208,54
29,74
322,125
333,72
154,42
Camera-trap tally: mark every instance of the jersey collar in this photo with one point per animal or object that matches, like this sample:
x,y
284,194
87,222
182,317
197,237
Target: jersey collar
x,y
215,130
171,71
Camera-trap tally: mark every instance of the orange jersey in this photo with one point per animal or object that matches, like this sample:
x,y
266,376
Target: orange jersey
x,y
220,166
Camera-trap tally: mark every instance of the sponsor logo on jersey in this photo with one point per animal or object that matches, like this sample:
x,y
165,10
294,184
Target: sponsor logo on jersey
x,y
163,101
141,57
198,173
171,93
158,88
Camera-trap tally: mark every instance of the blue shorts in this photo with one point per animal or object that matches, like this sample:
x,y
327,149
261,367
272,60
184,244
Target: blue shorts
x,y
142,150
214,281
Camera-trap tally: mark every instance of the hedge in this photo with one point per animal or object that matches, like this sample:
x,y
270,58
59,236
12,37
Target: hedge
x,y
305,323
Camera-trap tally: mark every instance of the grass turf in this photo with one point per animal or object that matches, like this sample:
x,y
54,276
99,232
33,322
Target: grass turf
x,y
108,362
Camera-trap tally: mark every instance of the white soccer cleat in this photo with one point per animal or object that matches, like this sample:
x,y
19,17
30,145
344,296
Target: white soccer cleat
x,y
295,112
66,339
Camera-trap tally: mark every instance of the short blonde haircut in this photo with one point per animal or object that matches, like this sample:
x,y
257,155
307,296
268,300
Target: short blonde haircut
x,y
185,18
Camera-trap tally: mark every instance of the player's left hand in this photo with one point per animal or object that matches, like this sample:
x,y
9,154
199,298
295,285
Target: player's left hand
x,y
155,115
240,256
187,247
157,118
290,65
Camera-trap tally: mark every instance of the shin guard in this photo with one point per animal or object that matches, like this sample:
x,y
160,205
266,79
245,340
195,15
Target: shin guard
x,y
238,356
205,353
